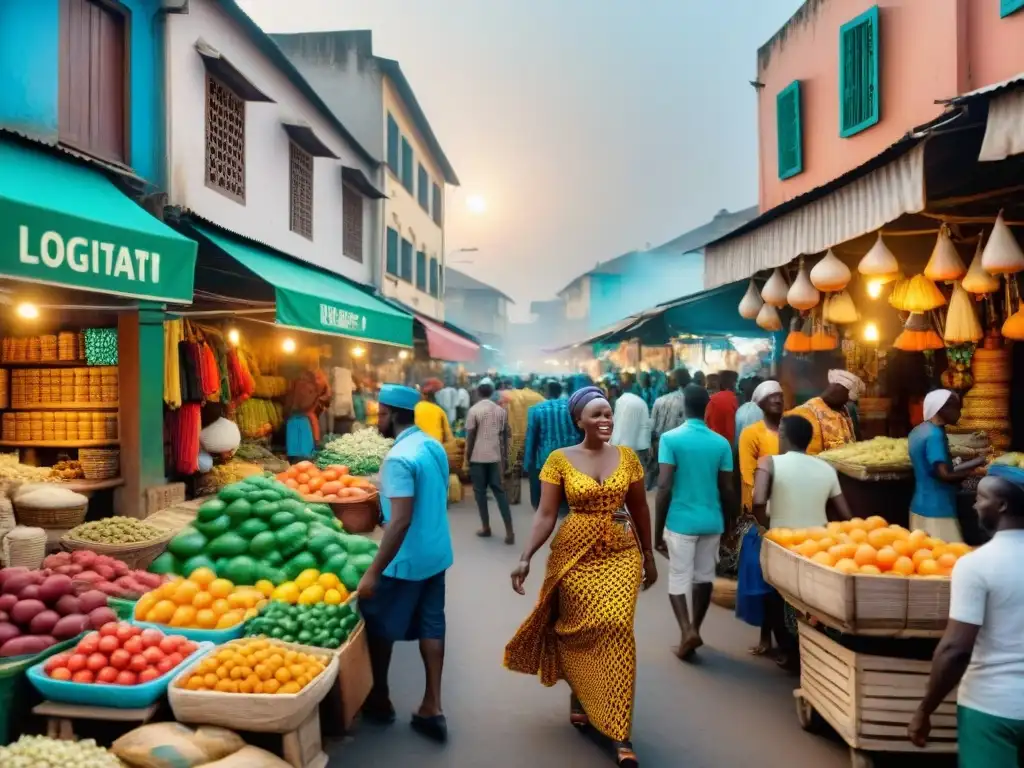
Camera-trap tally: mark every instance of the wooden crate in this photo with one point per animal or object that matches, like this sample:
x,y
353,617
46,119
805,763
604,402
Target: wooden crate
x,y
869,700
886,606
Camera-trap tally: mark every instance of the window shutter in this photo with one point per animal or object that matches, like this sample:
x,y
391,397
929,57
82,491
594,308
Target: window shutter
x,y
433,277
436,211
423,188
392,265
858,74
406,266
789,131
421,271
301,190
1006,7
352,223
392,143
407,169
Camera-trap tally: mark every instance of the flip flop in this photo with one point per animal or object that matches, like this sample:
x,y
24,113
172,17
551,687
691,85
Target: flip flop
x,y
434,728
381,714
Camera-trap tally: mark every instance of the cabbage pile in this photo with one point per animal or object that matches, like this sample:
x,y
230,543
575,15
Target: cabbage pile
x,y
362,451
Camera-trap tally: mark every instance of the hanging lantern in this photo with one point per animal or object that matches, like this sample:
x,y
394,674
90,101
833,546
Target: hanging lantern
x,y
898,297
922,295
751,302
1013,328
775,290
977,279
830,274
840,309
879,263
798,340
1002,254
918,335
962,324
822,341
945,263
802,295
768,318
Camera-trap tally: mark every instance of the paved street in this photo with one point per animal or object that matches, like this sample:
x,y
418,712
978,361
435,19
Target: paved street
x,y
728,710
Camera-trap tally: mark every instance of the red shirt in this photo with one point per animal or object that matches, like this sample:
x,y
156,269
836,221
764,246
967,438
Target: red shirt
x,y
720,415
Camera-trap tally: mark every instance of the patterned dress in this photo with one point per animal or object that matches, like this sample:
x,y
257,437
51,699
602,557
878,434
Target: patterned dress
x,y
582,628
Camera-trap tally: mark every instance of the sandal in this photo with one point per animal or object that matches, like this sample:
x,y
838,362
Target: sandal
x,y
625,757
577,716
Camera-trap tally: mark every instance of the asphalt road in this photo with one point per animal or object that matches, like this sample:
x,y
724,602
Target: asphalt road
x,y
729,709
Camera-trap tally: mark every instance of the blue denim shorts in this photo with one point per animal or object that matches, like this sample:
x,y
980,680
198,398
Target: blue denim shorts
x,y
406,610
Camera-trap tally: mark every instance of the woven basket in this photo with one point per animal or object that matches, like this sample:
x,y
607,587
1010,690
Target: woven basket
x,y
361,516
259,712
723,593
136,556
25,547
100,463
66,517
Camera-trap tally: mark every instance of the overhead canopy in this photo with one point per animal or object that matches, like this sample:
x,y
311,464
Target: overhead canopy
x,y
63,223
304,136
313,300
360,183
228,73
445,344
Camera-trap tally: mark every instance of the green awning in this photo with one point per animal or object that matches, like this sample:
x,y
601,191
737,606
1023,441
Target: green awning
x,y
312,300
64,223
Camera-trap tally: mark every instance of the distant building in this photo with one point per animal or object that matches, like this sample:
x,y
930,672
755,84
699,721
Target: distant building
x,y
477,307
373,97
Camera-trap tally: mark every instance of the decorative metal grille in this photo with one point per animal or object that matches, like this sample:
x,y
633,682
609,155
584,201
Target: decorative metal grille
x,y
301,163
225,140
352,216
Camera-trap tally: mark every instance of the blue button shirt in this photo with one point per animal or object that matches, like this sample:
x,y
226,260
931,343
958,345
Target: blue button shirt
x,y
698,454
932,497
417,467
549,427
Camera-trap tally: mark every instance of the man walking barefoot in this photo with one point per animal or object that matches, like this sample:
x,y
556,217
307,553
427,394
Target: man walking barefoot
x,y
402,593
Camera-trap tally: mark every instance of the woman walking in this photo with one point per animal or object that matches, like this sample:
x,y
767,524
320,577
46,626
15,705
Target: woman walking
x,y
582,628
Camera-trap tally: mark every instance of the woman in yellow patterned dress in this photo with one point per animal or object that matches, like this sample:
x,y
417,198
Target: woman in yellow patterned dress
x,y
582,628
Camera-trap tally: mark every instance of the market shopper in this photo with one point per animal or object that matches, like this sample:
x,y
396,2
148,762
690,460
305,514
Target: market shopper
x,y
667,414
721,412
982,649
695,498
431,417
748,413
828,413
549,426
582,627
402,593
487,443
936,479
633,425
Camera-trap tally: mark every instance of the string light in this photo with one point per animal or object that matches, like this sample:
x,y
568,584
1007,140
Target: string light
x,y
874,289
403,355
288,345
234,337
27,310
870,332
358,351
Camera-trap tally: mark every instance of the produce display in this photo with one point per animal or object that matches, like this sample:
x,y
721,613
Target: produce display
x,y
39,608
1011,459
120,653
107,574
872,547
259,417
12,470
333,483
877,452
43,752
312,586
232,472
362,451
116,530
68,470
321,625
254,666
202,601
271,386
255,453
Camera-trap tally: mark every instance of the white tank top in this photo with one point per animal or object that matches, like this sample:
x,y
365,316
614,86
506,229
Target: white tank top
x,y
801,487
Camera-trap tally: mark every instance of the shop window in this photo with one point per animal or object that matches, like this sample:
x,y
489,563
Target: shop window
x,y
423,188
352,223
789,132
436,211
93,81
406,267
1006,7
392,252
421,271
433,277
407,169
225,140
393,139
858,74
301,183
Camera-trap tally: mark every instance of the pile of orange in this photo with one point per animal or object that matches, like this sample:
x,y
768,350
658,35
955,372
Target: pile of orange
x,y
872,547
254,666
202,601
333,483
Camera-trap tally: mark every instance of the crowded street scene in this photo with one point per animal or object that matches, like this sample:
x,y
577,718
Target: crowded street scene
x,y
549,383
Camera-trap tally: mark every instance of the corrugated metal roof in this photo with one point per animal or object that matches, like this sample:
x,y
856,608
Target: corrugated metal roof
x,y
1010,84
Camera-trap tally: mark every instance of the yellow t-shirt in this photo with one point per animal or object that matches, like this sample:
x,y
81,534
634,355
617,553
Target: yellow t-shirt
x,y
755,441
431,418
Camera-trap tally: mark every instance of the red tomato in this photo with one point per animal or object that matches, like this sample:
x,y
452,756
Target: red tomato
x,y
89,644
126,630
108,644
170,643
151,637
106,675
148,676
138,663
120,659
77,662
125,678
187,648
108,629
153,655
83,676
175,658
164,666
60,660
96,662
134,645
61,673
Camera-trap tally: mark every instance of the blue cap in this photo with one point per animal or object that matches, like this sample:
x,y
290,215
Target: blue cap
x,y
398,396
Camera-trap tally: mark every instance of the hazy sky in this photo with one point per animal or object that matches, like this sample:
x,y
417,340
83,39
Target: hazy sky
x,y
590,127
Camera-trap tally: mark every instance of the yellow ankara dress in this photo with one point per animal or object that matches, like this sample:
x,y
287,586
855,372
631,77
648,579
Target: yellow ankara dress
x,y
582,628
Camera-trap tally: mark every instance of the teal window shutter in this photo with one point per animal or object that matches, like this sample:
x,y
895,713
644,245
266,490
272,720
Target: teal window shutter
x,y
392,262
423,188
859,74
393,137
405,270
421,271
407,169
436,211
789,131
1006,7
433,277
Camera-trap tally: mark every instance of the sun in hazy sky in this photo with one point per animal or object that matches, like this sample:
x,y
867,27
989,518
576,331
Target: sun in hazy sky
x,y
476,204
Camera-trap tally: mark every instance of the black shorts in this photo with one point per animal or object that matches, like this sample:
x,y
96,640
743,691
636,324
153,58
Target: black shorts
x,y
406,610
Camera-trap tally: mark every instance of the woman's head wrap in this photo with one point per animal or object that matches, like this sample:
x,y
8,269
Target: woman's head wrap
x,y
851,381
934,401
431,386
581,397
765,389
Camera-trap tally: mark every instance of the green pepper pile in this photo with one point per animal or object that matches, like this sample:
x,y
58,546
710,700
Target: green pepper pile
x,y
319,625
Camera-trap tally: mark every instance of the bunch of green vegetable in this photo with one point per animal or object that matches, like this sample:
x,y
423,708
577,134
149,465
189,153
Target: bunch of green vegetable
x,y
320,625
116,530
362,451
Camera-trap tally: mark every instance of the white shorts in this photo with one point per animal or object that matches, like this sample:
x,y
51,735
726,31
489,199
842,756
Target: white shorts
x,y
691,559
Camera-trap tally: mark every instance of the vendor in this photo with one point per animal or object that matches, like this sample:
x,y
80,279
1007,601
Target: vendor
x,y
933,507
431,417
829,413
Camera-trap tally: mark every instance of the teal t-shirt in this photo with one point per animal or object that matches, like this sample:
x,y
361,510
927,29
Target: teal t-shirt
x,y
698,454
933,497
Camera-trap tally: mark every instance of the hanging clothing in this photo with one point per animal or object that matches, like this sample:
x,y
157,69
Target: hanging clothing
x,y
173,335
299,440
342,406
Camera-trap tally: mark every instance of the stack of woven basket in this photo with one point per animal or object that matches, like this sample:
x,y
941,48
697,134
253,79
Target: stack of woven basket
x,y
986,406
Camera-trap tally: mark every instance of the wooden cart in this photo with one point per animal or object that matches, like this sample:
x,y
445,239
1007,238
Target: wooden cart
x,y
867,699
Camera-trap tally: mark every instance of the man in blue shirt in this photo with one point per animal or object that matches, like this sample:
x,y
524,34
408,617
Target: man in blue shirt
x,y
695,497
402,593
549,427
